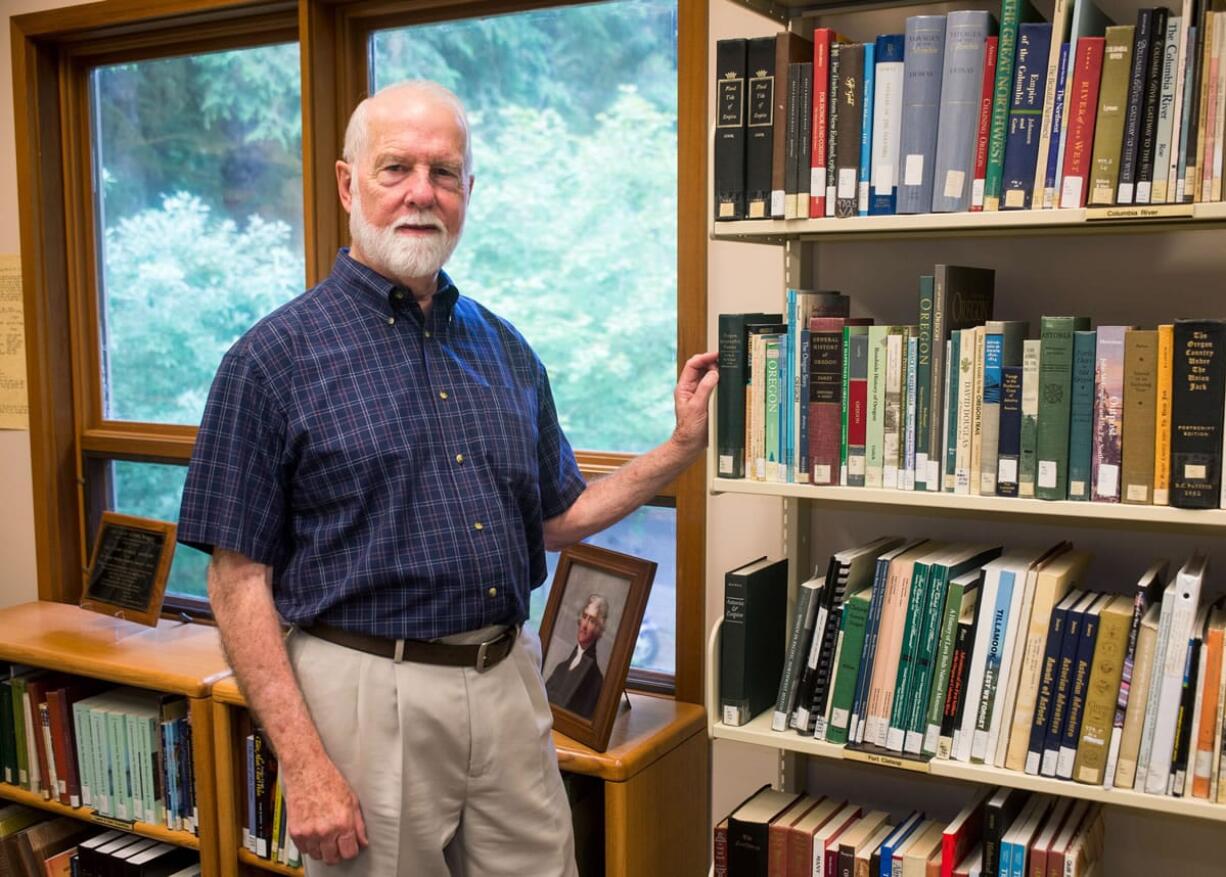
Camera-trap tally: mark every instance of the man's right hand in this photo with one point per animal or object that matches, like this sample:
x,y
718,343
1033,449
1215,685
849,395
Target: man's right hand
x,y
325,818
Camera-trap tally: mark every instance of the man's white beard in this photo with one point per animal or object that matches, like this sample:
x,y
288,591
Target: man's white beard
x,y
402,257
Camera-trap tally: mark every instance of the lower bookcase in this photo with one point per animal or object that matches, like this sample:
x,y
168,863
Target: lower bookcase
x,y
172,658
759,733
644,786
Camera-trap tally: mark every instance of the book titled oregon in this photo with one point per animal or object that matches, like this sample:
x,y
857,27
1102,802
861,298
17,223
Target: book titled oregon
x,y
1199,394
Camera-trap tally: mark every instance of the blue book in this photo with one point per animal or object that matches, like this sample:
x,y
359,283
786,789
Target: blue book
x,y
866,126
921,105
1025,115
1081,418
961,83
1045,696
1063,684
1057,124
887,116
1004,867
1079,684
1010,430
895,841
951,403
802,409
993,357
249,821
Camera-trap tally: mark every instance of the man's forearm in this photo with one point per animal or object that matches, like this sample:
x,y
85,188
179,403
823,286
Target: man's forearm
x,y
251,634
609,499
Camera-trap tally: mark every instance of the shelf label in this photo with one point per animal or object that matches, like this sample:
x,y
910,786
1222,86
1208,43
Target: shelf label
x,y
1139,211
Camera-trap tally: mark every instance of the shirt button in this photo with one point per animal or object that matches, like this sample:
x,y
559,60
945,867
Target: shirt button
x,y
428,335
493,592
398,295
391,321
442,394
477,525
459,458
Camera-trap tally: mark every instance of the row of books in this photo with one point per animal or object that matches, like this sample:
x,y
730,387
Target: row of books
x,y
982,655
36,844
1113,414
265,818
949,116
999,833
125,752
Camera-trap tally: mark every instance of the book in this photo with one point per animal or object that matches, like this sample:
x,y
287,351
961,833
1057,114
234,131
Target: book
x,y
1162,417
749,830
1012,14
1140,381
857,404
855,624
963,832
999,813
800,835
1147,144
1051,101
779,830
869,82
1143,37
984,123
1114,621
1166,134
924,412
804,139
1029,433
823,40
730,66
887,120
1109,121
1198,395
790,48
1055,396
1082,101
1010,430
966,33
730,396
760,73
1108,413
1025,115
803,620
824,402
832,127
1051,173
1062,684
1207,744
961,600
849,117
751,652
1003,348
921,99
864,673
1081,417
1138,701
1189,705
852,841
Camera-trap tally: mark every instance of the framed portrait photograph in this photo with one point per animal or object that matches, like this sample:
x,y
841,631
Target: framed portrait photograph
x,y
129,567
591,622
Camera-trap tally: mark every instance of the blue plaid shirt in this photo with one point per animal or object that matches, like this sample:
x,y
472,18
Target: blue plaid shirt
x,y
393,471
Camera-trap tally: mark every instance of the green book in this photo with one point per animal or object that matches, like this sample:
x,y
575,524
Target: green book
x,y
102,788
960,560
900,712
855,628
960,600
771,411
1055,405
8,746
121,762
874,442
1012,13
18,685
923,381
1081,417
85,751
1031,359
1109,120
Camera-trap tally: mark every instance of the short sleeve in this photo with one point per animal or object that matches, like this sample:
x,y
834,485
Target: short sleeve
x,y
560,479
235,496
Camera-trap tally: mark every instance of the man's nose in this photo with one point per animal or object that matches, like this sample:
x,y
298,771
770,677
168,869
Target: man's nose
x,y
419,188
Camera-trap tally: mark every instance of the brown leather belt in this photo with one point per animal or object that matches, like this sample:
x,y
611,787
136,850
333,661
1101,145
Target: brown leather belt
x,y
481,656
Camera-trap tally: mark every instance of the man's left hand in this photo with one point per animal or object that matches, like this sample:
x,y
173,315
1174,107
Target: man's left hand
x,y
698,379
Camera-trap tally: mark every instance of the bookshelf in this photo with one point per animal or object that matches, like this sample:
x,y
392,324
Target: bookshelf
x,y
651,775
174,658
854,254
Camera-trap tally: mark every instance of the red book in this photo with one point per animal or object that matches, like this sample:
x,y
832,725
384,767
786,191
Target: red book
x,y
777,835
986,93
1082,114
721,849
825,398
36,690
63,747
962,834
823,37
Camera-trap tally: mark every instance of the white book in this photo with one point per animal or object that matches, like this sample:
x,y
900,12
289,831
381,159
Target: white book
x,y
1166,116
1151,699
894,367
1185,599
887,126
1181,780
909,463
1059,28
51,788
1185,50
964,735
966,392
985,741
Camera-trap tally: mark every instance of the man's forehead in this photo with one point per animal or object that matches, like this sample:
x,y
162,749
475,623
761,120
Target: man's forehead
x,y
415,123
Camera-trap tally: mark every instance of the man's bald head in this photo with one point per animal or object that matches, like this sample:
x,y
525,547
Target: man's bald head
x,y
394,96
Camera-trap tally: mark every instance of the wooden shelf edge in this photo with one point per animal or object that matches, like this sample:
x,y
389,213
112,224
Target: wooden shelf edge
x,y
249,858
1102,220
86,814
1104,513
758,732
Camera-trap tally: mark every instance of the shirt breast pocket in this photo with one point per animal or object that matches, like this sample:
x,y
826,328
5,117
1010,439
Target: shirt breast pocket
x,y
507,432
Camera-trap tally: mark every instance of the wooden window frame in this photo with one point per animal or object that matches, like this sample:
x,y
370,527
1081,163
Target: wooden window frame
x,y
70,440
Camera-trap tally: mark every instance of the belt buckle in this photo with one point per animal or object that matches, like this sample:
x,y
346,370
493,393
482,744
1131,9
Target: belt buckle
x,y
483,656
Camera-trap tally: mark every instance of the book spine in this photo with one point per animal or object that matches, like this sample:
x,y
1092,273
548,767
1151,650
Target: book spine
x,y
1090,763
1188,705
1148,137
993,343
802,630
1140,604
1083,111
792,147
869,82
887,119
825,404
942,669
844,412
1010,430
953,398
730,61
1210,722
851,656
864,676
1197,396
976,428
804,137
759,126
878,352
925,50
1055,395
733,662
1081,417
1112,107
773,398
858,405
908,454
1168,108
1184,79
730,397
1051,176
1162,420
1062,690
822,41
850,97
1108,413
961,84
999,621
832,128
983,129
955,694
1137,84
1140,383
970,368
1010,16
1028,445
924,383
1140,673
1025,116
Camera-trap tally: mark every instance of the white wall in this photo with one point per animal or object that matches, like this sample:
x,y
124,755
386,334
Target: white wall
x,y
1126,278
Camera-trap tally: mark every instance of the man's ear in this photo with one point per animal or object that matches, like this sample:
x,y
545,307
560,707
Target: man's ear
x,y
468,193
344,179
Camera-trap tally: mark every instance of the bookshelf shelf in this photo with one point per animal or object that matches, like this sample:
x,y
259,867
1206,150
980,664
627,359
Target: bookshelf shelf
x,y
19,795
1103,220
251,860
1099,513
758,732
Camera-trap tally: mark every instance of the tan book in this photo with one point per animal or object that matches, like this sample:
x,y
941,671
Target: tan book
x,y
1114,625
1112,107
779,831
915,858
800,835
1207,731
920,831
1219,50
1140,404
1086,849
966,407
1138,696
933,868
864,855
977,414
857,836
889,641
1162,415
1194,173
1055,580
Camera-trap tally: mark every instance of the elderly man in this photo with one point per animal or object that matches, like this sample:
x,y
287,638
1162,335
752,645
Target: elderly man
x,y
575,683
380,464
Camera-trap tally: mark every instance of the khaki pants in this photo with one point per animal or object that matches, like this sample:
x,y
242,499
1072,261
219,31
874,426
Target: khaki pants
x,y
455,770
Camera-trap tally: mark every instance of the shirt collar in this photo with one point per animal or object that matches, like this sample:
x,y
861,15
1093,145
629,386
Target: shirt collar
x,y
373,287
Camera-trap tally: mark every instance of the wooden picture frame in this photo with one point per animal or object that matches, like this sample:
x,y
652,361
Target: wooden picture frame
x,y
128,568
584,689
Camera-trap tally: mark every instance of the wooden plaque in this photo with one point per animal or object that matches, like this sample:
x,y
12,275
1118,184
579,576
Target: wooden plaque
x,y
129,568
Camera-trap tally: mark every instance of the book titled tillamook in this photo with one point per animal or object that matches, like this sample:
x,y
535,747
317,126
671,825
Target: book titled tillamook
x,y
1198,391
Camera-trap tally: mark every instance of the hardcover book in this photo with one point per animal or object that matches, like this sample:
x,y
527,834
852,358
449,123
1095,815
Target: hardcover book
x,y
1082,102
790,48
983,127
730,397
730,64
1197,398
850,97
825,398
1140,381
1012,13
1138,77
1114,621
1162,420
966,33
1025,115
1028,440
1147,136
823,39
751,652
1081,417
921,99
1055,398
1108,413
887,119
1112,106
759,126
